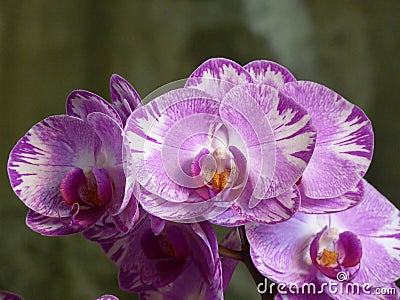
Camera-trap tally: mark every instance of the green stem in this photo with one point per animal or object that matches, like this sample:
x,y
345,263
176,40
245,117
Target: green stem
x,y
236,255
244,256
257,276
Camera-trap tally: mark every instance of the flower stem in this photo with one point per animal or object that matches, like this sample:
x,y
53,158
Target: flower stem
x,y
244,256
236,255
257,276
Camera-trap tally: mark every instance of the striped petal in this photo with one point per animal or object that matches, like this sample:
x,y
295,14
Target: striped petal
x,y
281,251
184,212
229,218
127,218
268,211
325,206
203,276
51,226
217,76
277,133
110,135
250,131
104,231
81,103
374,216
269,72
5,295
124,97
190,285
155,134
111,157
344,145
376,222
40,160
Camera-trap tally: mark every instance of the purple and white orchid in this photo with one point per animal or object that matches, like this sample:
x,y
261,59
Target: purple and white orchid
x,y
68,169
344,143
180,262
247,146
359,245
227,153
241,147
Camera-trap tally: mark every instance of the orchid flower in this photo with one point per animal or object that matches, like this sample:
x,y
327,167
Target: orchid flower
x,y
231,157
359,245
344,143
180,262
67,169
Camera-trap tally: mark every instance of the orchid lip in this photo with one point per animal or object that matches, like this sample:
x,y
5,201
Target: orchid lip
x,y
218,170
91,187
333,252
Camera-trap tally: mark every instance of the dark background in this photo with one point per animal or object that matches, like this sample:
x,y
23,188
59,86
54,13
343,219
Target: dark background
x,y
49,48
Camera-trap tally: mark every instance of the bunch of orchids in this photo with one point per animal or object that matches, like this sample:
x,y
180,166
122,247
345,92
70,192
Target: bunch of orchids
x,y
279,161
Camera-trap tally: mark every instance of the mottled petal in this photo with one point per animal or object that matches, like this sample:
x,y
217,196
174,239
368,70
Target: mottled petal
x,y
374,216
344,144
268,211
288,143
107,297
104,186
81,103
5,295
142,266
85,216
380,263
324,206
157,225
122,192
40,160
186,212
104,231
110,134
376,221
124,97
149,126
182,145
250,131
51,226
283,257
204,252
190,285
127,218
269,72
217,76
229,218
110,157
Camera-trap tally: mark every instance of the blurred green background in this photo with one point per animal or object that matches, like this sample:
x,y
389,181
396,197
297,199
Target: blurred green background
x,y
49,48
